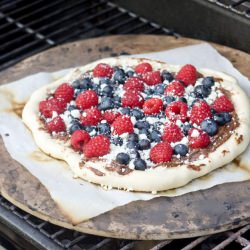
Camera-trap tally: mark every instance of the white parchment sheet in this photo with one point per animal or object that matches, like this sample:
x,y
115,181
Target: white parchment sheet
x,y
77,198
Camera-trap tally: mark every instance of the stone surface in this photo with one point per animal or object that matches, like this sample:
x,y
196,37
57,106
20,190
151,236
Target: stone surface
x,y
204,212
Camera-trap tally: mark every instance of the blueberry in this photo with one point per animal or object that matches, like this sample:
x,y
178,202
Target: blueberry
x,y
213,111
89,129
142,124
182,99
74,126
133,137
155,136
85,83
117,141
186,128
144,144
76,84
123,158
95,87
144,131
208,81
149,91
167,76
140,164
194,101
106,103
137,114
71,107
107,91
130,73
159,89
180,149
168,99
222,118
134,154
197,93
77,92
125,111
103,128
117,99
119,76
210,127
132,145
157,125
105,81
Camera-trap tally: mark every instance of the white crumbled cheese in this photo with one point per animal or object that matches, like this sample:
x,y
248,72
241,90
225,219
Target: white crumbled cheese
x,y
96,80
73,103
84,114
124,135
201,157
189,89
54,114
92,133
143,136
133,120
195,133
75,113
184,140
179,123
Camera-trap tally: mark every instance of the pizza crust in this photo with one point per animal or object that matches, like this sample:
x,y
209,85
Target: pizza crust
x,y
153,179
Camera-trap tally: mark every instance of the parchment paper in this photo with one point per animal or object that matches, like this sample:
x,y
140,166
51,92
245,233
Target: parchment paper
x,y
78,199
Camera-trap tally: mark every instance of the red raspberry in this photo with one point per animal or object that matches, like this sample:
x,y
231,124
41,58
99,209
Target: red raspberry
x,y
132,99
122,124
199,112
134,83
152,78
97,146
56,125
79,138
87,99
152,106
174,89
177,111
222,104
103,70
143,68
172,133
91,117
187,74
110,116
64,92
198,138
161,152
48,106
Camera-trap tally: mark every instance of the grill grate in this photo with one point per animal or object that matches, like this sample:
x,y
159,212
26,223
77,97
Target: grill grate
x,y
30,27
60,238
240,7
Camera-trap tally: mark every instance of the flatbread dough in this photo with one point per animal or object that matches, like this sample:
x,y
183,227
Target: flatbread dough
x,y
153,179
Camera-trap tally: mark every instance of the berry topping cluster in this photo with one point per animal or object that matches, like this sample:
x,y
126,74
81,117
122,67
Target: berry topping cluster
x,y
138,116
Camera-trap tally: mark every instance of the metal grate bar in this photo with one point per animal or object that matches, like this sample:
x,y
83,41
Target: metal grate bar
x,y
8,5
232,238
161,245
134,28
75,241
103,243
195,243
130,245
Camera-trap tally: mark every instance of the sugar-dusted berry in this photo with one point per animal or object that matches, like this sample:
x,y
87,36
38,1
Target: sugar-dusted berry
x,y
187,74
177,111
143,68
222,104
132,99
134,83
103,70
152,78
78,139
97,146
174,89
122,124
172,133
47,107
198,138
152,106
64,92
87,99
56,125
91,117
199,112
110,116
161,153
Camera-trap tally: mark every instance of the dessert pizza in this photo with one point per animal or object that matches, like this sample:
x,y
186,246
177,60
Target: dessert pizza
x,y
138,124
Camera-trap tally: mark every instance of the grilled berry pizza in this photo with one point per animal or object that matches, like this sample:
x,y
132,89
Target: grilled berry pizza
x,y
139,124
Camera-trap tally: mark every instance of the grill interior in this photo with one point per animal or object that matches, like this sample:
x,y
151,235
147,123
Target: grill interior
x,y
28,27
60,238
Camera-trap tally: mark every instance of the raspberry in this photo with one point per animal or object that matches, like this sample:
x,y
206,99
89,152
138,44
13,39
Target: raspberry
x,y
132,99
152,78
110,116
134,83
79,138
172,133
56,125
187,74
143,68
122,124
198,138
161,152
87,99
222,104
97,146
174,89
199,112
177,111
64,92
152,106
48,106
91,117
103,70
